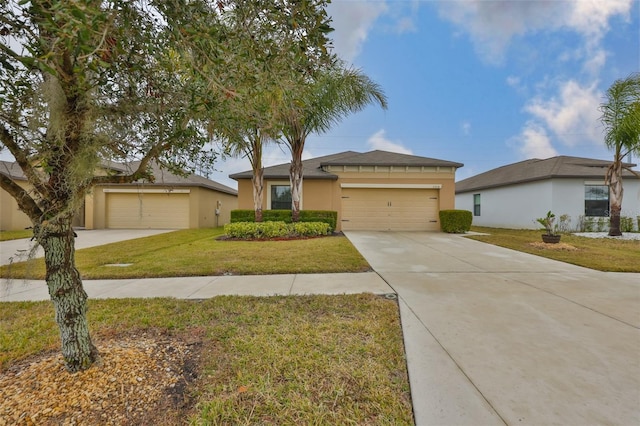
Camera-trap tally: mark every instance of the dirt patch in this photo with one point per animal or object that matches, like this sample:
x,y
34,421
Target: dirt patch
x,y
557,247
141,379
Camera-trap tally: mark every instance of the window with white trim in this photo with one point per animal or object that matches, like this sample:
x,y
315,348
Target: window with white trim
x,y
476,204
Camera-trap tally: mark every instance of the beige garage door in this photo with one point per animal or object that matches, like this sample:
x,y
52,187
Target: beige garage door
x,y
387,209
153,211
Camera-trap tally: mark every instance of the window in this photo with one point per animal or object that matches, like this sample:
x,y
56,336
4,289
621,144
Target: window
x,y
476,204
280,197
596,200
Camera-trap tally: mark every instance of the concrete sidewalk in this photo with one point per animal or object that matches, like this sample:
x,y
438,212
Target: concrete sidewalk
x,y
205,287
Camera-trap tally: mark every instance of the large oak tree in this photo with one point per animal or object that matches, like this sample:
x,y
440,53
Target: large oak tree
x,y
83,82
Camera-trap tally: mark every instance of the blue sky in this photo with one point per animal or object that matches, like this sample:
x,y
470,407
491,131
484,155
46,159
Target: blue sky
x,y
481,82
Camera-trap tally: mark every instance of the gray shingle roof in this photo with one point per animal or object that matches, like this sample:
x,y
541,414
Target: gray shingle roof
x,y
535,170
163,177
313,167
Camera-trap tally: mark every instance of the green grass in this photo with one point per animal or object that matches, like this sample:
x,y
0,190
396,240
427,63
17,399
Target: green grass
x,y
301,360
196,252
15,235
602,254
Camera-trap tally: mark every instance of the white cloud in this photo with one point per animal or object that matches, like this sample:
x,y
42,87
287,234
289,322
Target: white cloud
x,y
573,115
379,141
465,126
534,142
352,22
493,24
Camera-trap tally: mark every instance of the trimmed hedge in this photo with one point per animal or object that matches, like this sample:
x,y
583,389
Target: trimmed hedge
x,y
272,229
455,221
327,216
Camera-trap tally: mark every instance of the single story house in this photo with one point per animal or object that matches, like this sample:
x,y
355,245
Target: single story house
x,y
171,202
513,196
376,190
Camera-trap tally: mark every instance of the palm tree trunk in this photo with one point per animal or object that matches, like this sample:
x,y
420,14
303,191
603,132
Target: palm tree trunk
x,y
295,179
258,192
614,180
68,295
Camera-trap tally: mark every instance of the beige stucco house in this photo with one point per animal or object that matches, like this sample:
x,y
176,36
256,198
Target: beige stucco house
x,y
376,190
171,202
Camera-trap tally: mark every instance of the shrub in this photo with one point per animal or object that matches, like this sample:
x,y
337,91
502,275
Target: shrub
x,y
275,229
311,229
565,223
626,224
329,217
455,221
243,216
276,216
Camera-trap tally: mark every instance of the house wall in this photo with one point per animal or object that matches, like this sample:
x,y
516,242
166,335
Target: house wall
x,y
315,193
11,218
325,194
204,203
517,206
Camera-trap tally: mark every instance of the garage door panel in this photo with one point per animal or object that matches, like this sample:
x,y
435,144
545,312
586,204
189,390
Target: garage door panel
x,y
152,211
390,209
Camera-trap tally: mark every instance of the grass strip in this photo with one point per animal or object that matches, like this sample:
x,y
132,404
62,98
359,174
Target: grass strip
x,y
15,235
276,360
602,254
198,252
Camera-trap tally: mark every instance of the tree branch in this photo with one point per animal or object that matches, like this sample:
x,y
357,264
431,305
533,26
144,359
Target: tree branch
x,y
22,197
21,158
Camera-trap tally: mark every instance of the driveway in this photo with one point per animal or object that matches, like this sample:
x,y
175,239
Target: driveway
x,y
18,250
495,336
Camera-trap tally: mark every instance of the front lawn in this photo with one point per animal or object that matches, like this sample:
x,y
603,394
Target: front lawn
x,y
15,235
226,360
603,254
197,252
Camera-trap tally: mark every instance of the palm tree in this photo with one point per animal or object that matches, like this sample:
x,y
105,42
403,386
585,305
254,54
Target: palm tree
x,y
621,120
330,97
250,144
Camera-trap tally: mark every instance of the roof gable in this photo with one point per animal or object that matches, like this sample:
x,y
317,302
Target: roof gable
x,y
535,170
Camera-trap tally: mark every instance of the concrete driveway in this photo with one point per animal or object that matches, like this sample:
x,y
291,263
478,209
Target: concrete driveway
x,y
495,336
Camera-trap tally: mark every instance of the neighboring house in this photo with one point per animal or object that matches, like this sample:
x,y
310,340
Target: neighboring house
x,y
377,190
513,196
171,202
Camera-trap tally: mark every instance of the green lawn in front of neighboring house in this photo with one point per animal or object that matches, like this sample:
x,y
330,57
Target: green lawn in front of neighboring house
x,y
16,235
198,252
603,254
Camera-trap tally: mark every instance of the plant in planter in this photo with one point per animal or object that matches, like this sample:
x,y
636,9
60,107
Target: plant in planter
x,y
552,235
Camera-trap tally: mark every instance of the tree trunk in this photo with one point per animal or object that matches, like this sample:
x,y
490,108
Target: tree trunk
x,y
68,295
295,178
614,180
258,189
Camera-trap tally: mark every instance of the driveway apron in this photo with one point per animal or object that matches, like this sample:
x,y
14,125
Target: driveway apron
x,y
495,336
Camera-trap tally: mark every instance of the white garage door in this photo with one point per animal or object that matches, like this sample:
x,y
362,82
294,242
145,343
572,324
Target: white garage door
x,y
143,210
390,209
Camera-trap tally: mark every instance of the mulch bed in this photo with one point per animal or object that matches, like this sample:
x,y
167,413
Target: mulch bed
x,y
141,380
